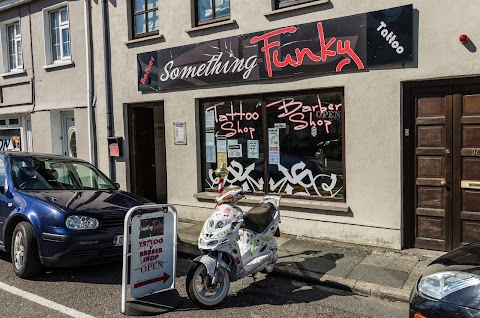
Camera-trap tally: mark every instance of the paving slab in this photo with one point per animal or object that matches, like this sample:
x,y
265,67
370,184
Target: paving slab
x,y
391,260
379,275
336,264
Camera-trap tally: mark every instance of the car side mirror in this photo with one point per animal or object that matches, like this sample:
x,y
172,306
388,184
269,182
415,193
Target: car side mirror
x,y
117,185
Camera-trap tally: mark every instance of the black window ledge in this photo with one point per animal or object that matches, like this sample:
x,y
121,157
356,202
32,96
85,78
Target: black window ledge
x,y
145,39
296,7
211,26
299,203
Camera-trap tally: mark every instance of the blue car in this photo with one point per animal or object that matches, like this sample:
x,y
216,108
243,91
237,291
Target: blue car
x,y
59,211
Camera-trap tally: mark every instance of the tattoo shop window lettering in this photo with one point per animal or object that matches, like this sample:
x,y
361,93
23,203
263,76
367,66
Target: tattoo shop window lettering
x,y
301,148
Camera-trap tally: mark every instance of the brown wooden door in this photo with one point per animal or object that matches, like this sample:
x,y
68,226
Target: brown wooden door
x,y
433,162
142,152
466,164
447,166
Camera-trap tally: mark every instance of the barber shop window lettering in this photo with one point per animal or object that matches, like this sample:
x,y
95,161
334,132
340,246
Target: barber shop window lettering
x,y
288,144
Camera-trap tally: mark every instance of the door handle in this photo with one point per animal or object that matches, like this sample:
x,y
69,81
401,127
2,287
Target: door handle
x,y
443,183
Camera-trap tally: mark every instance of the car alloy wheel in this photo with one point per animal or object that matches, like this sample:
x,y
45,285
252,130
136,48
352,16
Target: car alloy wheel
x,y
24,251
19,250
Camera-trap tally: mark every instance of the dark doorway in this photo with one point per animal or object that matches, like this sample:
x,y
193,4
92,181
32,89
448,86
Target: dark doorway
x,y
147,152
442,165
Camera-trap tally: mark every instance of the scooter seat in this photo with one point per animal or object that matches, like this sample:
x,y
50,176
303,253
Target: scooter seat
x,y
259,217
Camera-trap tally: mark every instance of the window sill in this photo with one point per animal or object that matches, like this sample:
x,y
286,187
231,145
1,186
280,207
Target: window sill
x,y
211,26
14,72
296,7
58,64
145,39
287,203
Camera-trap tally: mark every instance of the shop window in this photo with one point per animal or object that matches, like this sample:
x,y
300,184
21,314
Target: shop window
x,y
3,122
287,3
289,144
10,140
145,17
209,11
14,38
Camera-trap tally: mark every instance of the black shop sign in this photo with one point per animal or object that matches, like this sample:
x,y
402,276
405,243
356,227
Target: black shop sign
x,y
331,46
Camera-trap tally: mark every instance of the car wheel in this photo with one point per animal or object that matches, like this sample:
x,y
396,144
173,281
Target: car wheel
x,y
25,256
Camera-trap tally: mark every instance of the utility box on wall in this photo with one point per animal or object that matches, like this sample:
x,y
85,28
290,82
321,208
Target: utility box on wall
x,y
115,146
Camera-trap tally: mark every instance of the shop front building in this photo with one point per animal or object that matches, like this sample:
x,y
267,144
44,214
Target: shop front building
x,y
43,90
362,117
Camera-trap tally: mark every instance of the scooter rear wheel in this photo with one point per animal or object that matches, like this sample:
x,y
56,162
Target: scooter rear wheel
x,y
200,289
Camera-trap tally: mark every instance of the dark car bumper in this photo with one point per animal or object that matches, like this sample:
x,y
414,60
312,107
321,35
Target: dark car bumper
x,y
65,250
435,309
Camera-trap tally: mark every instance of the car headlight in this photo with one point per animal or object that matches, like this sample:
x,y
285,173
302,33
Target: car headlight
x,y
442,284
78,222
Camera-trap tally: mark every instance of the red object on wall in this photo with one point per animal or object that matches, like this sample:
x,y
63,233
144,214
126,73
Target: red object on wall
x,y
463,38
114,150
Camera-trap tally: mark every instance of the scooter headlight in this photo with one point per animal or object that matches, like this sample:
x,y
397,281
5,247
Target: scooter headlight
x,y
220,224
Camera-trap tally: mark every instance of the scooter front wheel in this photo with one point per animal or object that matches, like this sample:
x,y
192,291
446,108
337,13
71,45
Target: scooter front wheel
x,y
200,289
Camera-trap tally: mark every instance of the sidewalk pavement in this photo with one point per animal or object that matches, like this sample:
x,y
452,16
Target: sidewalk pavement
x,y
365,270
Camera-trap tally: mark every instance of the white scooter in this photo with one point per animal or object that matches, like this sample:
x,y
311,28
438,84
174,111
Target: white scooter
x,y
235,244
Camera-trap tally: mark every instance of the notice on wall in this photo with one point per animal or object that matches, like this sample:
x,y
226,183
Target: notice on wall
x,y
180,136
252,149
235,151
232,142
273,146
280,125
221,144
210,119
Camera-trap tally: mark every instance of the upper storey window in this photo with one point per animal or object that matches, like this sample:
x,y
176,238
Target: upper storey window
x,y
145,17
209,11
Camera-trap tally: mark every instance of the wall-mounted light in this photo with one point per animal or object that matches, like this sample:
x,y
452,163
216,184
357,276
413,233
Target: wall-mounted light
x,y
463,38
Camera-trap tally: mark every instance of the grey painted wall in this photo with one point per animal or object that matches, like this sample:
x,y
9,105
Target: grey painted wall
x,y
373,138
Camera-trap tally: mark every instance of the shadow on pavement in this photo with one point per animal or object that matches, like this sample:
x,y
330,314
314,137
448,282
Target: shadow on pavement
x,y
282,286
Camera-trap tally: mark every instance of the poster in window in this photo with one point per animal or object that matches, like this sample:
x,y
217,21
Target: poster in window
x,y
252,151
235,151
222,159
209,119
221,144
273,146
10,141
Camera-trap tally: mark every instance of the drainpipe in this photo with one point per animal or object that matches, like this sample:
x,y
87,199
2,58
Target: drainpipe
x,y
108,81
88,55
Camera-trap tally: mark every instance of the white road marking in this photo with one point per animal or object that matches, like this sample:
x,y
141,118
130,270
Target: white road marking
x,y
44,302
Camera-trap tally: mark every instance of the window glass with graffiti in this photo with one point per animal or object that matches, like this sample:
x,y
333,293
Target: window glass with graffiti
x,y
295,149
233,134
307,157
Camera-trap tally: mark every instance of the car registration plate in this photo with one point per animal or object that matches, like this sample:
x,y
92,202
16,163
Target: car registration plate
x,y
118,240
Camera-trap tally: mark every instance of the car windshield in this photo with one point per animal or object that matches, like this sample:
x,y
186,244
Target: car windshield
x,y
53,174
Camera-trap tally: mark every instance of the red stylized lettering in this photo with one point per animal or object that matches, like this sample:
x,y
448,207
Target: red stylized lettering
x,y
267,45
272,54
143,80
231,120
304,116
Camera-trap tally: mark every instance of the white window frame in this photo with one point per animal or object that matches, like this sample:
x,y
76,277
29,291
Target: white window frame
x,y
5,69
48,34
17,38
